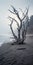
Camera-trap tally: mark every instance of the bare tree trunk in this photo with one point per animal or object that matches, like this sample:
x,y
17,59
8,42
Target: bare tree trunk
x,y
19,34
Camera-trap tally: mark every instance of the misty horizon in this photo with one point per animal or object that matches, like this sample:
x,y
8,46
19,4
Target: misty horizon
x,y
5,5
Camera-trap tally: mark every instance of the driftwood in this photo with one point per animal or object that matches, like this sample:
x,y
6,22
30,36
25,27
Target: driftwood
x,y
15,12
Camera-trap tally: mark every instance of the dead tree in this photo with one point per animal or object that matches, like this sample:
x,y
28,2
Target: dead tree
x,y
15,12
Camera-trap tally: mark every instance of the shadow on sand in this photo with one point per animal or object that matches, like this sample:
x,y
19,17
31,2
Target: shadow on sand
x,y
18,43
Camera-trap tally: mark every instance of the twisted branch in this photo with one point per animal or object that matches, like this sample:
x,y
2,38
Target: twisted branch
x,y
12,30
14,20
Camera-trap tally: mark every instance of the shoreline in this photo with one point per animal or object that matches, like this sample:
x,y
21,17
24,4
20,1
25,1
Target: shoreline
x,y
17,54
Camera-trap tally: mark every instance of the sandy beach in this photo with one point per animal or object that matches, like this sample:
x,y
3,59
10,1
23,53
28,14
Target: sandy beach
x,y
17,54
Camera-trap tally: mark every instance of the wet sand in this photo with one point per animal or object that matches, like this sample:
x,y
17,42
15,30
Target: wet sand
x,y
17,54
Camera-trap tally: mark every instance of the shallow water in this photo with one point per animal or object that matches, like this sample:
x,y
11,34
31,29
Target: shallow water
x,y
7,38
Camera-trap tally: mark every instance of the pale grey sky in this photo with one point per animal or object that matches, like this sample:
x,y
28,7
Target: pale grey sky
x,y
5,5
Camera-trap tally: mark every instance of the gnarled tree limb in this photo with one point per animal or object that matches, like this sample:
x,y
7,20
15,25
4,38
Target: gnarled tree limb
x,y
12,30
14,20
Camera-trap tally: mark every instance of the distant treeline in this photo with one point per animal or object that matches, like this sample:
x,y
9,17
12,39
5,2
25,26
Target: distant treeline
x,y
30,28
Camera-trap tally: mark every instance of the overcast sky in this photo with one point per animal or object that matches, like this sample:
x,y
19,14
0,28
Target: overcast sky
x,y
5,5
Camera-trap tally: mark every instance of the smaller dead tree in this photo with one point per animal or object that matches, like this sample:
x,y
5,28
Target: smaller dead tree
x,y
15,12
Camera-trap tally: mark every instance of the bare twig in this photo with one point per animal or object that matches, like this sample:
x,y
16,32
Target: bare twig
x,y
16,12
11,12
